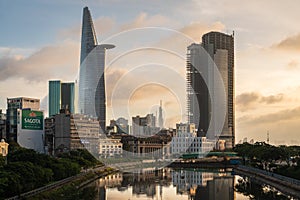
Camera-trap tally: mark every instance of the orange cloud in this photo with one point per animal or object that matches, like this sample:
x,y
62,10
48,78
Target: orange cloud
x,y
144,20
291,43
196,30
294,64
247,101
50,62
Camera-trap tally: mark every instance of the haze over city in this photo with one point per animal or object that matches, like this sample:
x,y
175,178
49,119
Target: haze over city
x,y
41,41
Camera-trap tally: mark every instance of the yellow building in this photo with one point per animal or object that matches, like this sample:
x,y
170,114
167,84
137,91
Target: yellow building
x,y
3,148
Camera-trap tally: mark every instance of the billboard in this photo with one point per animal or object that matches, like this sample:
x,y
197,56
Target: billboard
x,y
32,120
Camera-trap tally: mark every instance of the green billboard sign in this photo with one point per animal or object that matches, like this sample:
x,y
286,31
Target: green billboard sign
x,y
32,120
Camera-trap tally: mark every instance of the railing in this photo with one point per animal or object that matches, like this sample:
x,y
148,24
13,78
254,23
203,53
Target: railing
x,y
271,174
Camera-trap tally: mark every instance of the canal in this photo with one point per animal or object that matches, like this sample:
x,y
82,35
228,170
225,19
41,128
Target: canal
x,y
180,184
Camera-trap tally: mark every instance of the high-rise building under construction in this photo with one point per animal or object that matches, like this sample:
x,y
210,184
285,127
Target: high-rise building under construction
x,y
220,47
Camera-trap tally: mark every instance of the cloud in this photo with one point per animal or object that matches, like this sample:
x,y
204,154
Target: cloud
x,y
103,25
291,43
53,61
272,99
246,101
148,91
273,118
144,20
112,75
294,64
195,30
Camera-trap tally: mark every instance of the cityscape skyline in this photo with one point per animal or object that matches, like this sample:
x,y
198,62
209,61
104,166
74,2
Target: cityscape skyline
x,y
256,105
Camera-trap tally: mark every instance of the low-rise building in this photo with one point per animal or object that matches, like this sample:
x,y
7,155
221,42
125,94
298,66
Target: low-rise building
x,y
155,146
187,142
65,132
110,147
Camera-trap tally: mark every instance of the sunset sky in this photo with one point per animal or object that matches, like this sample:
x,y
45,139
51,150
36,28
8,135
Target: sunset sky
x,y
40,40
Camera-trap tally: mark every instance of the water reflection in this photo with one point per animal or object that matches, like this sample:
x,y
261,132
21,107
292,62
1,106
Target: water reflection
x,y
166,184
180,184
204,185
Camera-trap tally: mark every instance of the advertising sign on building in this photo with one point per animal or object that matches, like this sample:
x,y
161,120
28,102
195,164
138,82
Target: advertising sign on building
x,y
31,129
32,120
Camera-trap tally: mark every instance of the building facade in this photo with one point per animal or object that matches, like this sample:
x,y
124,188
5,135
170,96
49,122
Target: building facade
x,y
119,126
54,97
92,99
13,104
2,125
61,96
186,182
65,132
220,48
144,126
187,142
30,128
110,147
152,147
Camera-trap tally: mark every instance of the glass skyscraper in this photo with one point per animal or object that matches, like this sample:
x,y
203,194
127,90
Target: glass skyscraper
x,y
54,97
92,100
61,96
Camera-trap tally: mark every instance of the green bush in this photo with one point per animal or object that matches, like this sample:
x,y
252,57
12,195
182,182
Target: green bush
x,y
27,169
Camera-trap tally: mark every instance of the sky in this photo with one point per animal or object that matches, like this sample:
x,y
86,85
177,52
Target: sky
x,y
40,40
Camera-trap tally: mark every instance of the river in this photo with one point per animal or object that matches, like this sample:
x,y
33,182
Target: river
x,y
180,184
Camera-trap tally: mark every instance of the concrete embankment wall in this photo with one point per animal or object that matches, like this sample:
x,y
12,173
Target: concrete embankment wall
x,y
283,184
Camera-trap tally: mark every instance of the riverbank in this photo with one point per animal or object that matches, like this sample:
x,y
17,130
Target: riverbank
x,y
72,188
287,185
27,170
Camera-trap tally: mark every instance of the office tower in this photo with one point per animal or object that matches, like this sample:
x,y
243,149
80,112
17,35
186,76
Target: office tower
x,y
220,47
13,104
61,96
67,96
54,97
160,116
92,100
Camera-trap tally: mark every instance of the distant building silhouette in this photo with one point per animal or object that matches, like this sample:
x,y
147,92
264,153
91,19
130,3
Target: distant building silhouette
x,y
160,116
